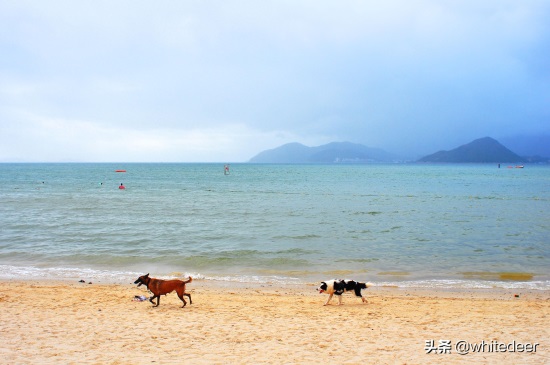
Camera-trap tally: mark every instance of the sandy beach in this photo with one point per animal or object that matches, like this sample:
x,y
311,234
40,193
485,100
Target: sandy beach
x,y
81,323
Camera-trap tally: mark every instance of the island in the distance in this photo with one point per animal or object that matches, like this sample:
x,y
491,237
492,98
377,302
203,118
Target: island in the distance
x,y
483,150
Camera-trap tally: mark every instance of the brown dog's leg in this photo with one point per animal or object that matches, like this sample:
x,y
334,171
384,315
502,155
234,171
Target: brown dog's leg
x,y
181,293
158,300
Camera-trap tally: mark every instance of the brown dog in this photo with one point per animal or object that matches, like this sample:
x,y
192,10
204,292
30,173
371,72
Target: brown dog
x,y
159,287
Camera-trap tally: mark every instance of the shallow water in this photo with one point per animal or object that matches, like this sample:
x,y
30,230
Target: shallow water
x,y
405,225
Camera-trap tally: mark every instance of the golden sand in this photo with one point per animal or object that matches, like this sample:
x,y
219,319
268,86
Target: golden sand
x,y
74,323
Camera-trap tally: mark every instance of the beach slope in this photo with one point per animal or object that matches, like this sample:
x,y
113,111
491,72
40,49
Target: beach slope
x,y
66,323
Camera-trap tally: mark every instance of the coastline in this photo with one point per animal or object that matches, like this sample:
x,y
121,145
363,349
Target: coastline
x,y
237,323
477,281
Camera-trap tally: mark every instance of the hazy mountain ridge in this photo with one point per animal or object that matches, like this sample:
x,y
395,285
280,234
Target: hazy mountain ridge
x,y
482,150
335,152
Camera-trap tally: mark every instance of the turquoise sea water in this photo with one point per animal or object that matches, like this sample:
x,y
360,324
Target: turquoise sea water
x,y
405,225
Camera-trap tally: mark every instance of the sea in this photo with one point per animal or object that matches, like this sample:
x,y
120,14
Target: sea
x,y
401,225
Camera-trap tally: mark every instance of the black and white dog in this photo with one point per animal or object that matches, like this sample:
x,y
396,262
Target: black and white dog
x,y
339,287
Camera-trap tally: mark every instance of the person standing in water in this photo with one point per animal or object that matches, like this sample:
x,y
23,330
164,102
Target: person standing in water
x,y
122,186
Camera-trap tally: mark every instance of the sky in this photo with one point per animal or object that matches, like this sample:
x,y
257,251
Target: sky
x,y
221,81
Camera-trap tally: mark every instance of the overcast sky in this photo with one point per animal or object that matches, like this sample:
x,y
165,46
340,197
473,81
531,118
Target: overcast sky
x,y
220,81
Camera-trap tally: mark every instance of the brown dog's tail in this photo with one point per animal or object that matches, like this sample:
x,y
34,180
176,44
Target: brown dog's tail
x,y
188,281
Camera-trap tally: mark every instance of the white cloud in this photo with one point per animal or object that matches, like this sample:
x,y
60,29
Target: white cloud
x,y
210,80
38,138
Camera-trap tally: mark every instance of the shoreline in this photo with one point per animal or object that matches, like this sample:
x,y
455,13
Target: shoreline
x,y
305,288
71,322
481,281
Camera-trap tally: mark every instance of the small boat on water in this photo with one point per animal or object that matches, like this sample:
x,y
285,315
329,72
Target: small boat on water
x,y
120,170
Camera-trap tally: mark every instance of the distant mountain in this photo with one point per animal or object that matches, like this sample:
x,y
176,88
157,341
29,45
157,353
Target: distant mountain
x,y
481,150
336,152
532,146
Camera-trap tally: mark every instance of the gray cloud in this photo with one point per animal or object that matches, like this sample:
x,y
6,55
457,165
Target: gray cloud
x,y
216,81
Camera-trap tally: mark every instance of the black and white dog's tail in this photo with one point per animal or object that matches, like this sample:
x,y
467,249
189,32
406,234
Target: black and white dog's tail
x,y
360,286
